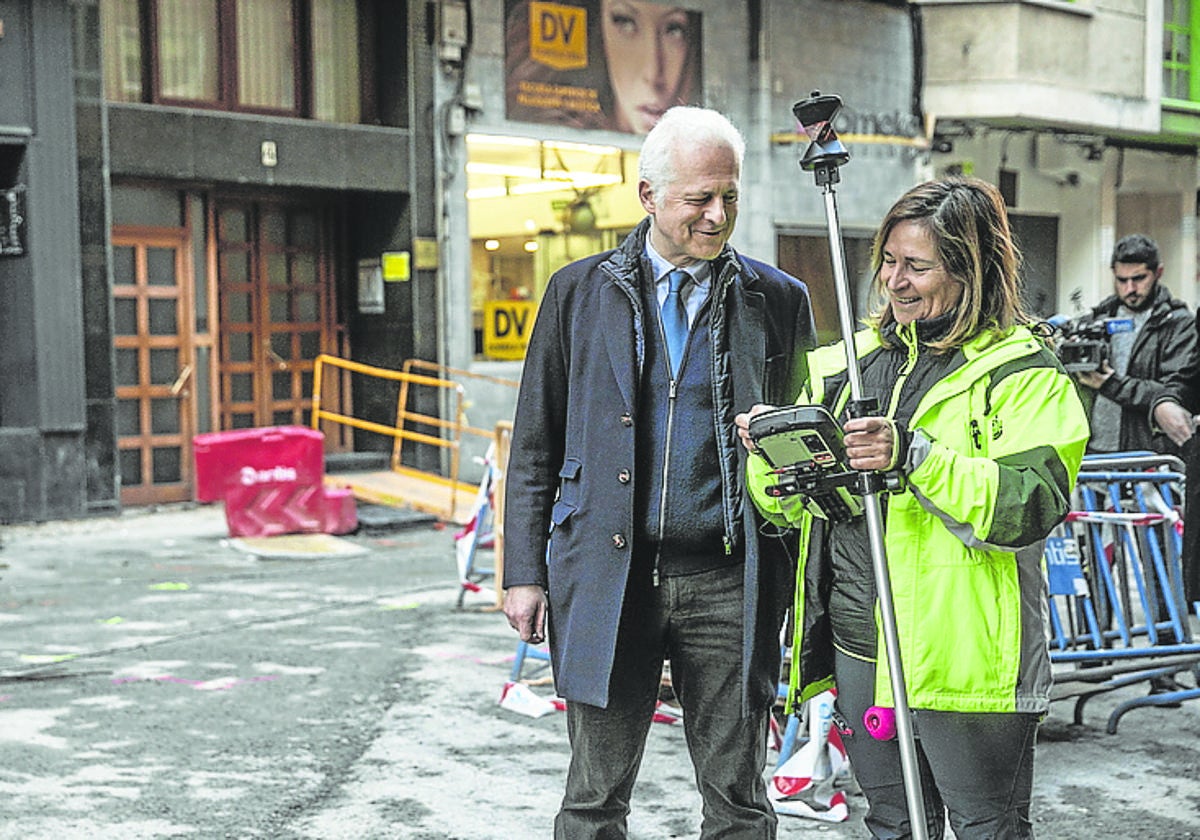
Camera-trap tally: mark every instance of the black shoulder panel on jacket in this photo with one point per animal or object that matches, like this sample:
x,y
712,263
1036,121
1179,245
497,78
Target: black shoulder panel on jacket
x,y
1043,358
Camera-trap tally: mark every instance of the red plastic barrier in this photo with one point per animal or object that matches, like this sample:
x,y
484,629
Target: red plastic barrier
x,y
249,457
341,511
272,508
272,482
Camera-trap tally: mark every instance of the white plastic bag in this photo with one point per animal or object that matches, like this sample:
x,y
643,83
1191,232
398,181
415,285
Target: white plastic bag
x,y
807,783
517,697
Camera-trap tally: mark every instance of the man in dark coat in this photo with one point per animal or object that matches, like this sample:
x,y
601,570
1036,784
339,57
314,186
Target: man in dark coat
x,y
629,538
1141,390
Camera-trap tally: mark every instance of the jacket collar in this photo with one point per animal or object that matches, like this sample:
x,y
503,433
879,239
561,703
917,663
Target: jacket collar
x,y
625,261
923,331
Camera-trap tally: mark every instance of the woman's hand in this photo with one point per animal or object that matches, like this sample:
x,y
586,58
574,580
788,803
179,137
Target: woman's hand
x,y
870,443
742,421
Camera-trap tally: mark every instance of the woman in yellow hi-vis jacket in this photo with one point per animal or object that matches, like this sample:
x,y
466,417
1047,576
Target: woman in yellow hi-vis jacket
x,y
988,433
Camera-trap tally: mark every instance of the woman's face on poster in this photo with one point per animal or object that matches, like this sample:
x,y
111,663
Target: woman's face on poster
x,y
647,48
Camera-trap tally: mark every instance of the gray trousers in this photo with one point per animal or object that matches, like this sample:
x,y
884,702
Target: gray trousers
x,y
975,767
696,622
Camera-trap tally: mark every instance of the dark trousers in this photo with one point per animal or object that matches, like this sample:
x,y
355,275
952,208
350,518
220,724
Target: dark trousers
x,y
975,767
696,622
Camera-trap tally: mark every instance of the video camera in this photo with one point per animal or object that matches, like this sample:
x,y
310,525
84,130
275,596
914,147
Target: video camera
x,y
1084,343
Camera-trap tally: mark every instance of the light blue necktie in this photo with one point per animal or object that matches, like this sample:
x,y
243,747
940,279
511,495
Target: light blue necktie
x,y
675,320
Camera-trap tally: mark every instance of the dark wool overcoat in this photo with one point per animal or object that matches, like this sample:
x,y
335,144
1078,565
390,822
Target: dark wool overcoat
x,y
571,471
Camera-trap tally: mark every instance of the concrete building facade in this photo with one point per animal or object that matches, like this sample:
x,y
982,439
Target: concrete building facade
x,y
200,199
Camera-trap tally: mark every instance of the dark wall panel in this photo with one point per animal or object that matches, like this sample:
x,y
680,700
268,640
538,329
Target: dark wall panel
x,y
214,147
377,224
91,124
18,403
54,225
16,59
41,322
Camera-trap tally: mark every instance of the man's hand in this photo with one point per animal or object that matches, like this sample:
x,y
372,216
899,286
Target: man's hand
x,y
1095,378
525,607
742,421
1175,420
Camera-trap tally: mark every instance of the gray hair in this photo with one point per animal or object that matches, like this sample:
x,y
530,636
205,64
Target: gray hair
x,y
684,124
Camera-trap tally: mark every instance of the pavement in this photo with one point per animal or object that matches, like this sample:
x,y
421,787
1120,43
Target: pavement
x,y
159,680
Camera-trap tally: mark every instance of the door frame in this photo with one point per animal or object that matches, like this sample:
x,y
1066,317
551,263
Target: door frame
x,y
142,238
264,362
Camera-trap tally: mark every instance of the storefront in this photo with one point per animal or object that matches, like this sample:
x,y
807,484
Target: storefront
x,y
555,100
536,205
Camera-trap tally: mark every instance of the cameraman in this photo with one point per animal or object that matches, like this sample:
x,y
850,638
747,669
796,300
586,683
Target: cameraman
x,y
1139,392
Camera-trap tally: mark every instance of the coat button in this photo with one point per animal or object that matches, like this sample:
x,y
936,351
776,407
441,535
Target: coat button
x,y
623,476
618,540
626,420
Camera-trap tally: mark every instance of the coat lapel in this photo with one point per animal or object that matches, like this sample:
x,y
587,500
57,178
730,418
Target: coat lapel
x,y
622,337
748,348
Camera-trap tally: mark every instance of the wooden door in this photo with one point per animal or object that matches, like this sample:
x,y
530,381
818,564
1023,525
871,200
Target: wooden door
x,y
275,295
155,364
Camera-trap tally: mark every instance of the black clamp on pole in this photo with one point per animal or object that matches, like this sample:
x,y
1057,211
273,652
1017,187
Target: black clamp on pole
x,y
869,481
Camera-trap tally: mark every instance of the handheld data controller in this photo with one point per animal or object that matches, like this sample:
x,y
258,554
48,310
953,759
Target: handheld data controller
x,y
803,443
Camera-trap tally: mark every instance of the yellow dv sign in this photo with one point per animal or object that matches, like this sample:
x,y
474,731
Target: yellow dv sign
x,y
558,35
506,328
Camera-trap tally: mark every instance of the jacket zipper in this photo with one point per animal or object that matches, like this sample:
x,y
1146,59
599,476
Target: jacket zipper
x,y
721,286
910,361
911,351
666,469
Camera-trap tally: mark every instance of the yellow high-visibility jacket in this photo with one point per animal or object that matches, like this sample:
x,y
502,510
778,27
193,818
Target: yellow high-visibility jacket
x,y
996,446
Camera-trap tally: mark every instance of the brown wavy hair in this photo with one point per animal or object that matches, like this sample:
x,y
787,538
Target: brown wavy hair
x,y
968,221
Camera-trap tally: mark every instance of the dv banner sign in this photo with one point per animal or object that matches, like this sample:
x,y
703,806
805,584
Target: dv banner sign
x,y
506,328
600,64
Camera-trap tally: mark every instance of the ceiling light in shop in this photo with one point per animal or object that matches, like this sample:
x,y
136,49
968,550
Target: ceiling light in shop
x,y
582,181
506,166
492,245
501,140
563,176
583,148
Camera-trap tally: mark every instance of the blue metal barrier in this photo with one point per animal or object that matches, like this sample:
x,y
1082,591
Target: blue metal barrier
x,y
1115,577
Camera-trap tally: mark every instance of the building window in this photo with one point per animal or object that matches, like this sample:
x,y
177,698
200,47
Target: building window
x,y
335,61
266,59
1181,78
121,34
266,56
186,49
806,255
